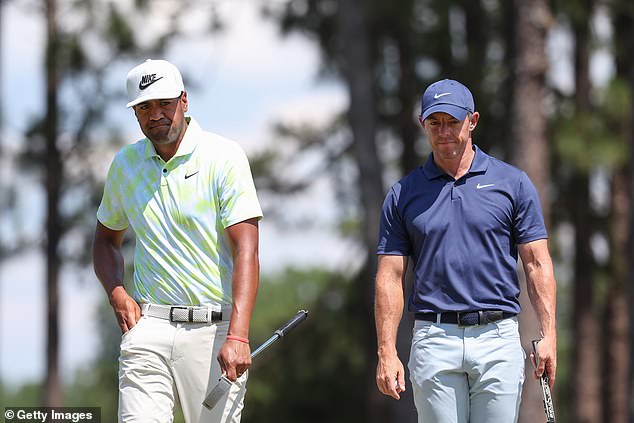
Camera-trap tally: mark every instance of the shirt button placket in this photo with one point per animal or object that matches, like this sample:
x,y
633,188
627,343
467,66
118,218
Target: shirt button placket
x,y
164,177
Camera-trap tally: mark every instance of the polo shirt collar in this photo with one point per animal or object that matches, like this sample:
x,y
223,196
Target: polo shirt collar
x,y
478,165
480,161
188,143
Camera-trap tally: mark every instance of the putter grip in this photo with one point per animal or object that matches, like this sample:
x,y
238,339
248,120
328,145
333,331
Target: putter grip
x,y
547,398
295,320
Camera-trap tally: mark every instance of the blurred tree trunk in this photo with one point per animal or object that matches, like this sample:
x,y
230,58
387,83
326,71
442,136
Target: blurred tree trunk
x,y
533,19
408,93
54,167
529,120
630,249
625,67
476,29
4,188
618,384
503,124
356,62
586,374
617,326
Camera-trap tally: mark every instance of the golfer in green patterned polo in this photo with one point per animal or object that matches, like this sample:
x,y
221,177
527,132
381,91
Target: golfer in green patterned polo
x,y
189,197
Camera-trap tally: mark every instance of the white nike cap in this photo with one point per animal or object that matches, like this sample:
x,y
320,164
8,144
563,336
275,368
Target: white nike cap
x,y
153,80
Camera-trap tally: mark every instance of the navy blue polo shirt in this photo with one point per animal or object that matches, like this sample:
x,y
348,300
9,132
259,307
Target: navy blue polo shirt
x,y
462,235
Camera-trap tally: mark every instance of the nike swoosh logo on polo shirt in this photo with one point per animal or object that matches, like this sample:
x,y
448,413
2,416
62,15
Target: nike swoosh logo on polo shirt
x,y
437,96
191,174
484,186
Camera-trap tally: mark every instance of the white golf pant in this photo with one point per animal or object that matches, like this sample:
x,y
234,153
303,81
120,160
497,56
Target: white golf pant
x,y
162,362
470,374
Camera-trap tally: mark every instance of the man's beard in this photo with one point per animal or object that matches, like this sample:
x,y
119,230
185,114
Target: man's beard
x,y
164,135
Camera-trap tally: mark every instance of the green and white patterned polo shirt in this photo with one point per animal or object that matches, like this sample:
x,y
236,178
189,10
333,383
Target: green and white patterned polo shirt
x,y
179,211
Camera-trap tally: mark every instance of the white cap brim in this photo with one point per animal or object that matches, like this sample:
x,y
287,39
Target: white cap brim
x,y
155,96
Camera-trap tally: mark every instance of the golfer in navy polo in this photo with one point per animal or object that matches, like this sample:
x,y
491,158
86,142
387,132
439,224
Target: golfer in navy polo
x,y
462,218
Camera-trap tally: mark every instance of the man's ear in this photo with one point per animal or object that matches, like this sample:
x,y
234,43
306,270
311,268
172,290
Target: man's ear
x,y
473,122
184,100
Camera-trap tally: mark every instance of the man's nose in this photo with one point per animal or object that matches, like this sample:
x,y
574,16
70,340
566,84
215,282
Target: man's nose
x,y
155,113
444,129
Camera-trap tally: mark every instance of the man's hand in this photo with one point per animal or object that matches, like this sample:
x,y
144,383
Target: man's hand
x,y
390,376
125,308
546,359
234,358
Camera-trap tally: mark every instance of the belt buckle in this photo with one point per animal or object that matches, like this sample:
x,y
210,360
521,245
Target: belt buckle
x,y
216,316
494,316
186,318
459,320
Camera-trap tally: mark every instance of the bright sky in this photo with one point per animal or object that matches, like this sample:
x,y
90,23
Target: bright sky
x,y
247,78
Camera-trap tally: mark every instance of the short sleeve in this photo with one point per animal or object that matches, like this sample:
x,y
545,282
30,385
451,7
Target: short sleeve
x,y
393,238
111,212
529,220
238,198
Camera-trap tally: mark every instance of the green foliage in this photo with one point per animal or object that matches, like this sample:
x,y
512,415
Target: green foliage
x,y
615,107
120,31
27,395
75,54
317,373
587,140
98,384
415,44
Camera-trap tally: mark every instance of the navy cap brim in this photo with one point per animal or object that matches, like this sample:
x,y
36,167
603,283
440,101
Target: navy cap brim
x,y
455,111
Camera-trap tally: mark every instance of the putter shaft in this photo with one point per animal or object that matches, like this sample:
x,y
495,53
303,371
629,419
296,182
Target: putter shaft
x,y
266,343
224,384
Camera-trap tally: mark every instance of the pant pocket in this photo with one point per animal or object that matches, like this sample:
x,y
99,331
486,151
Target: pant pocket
x,y
127,334
508,328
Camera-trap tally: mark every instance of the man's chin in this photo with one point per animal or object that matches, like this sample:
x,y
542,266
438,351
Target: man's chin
x,y
160,141
158,135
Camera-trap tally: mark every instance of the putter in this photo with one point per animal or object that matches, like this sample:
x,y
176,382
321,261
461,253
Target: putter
x,y
224,384
549,408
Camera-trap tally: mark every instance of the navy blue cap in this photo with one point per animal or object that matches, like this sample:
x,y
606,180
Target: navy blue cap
x,y
447,96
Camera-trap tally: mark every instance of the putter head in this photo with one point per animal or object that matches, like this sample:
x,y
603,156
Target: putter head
x,y
216,394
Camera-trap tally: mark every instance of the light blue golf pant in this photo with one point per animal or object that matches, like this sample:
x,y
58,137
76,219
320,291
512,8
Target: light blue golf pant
x,y
470,374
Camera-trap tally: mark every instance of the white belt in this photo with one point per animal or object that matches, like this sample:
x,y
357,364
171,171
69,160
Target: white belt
x,y
190,314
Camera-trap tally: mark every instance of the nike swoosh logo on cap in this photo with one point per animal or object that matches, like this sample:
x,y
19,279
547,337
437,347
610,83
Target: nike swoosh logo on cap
x,y
145,82
437,96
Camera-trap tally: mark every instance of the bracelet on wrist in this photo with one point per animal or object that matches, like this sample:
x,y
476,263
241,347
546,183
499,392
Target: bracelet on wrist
x,y
238,338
